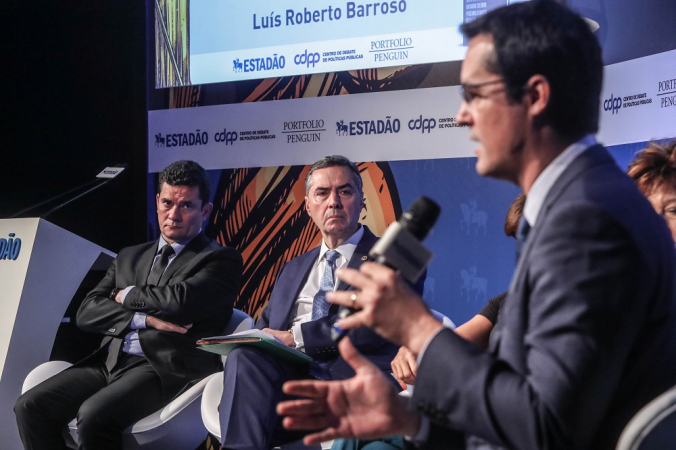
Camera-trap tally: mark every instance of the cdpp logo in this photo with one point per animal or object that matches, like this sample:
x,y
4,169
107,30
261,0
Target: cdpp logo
x,y
422,124
613,103
306,59
229,137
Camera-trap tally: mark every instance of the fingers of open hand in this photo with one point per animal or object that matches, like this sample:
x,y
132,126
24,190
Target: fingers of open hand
x,y
305,388
304,407
327,435
377,285
352,356
368,275
307,414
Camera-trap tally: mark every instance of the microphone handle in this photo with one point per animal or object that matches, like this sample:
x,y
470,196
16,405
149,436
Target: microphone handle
x,y
337,333
37,205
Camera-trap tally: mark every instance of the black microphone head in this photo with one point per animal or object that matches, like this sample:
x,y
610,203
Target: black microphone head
x,y
420,217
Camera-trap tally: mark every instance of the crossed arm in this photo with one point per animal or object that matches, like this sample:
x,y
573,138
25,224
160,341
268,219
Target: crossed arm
x,y
196,294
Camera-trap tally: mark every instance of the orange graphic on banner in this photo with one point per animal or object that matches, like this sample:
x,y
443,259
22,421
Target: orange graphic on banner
x,y
261,212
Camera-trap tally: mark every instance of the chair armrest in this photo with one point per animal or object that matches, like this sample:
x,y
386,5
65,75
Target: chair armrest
x,y
42,372
211,398
172,409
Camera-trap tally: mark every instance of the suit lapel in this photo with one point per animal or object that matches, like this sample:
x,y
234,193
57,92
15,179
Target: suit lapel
x,y
359,256
145,263
188,253
289,296
587,159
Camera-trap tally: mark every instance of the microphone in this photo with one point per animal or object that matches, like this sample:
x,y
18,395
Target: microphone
x,y
106,174
401,249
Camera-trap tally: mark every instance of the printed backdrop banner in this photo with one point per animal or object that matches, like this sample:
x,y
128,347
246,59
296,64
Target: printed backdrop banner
x,y
638,101
272,38
382,126
638,104
398,125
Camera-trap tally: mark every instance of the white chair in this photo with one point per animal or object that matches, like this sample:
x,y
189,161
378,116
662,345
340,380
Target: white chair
x,y
653,427
176,426
214,389
211,398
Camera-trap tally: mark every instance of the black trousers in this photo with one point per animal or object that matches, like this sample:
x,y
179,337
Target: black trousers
x,y
104,403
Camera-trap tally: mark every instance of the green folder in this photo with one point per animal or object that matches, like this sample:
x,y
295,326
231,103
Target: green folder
x,y
222,345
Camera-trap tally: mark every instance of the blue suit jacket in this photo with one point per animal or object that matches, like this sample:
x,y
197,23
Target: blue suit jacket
x,y
587,334
278,315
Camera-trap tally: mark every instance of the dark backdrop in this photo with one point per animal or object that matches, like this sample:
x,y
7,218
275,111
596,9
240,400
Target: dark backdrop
x,y
73,83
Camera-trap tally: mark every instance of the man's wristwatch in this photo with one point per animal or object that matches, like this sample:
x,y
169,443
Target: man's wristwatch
x,y
113,293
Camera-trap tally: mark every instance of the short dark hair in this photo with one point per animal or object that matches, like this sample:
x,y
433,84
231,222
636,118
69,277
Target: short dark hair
x,y
546,38
654,167
332,161
186,173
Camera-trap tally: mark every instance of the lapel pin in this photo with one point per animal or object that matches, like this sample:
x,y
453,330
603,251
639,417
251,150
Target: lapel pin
x,y
364,258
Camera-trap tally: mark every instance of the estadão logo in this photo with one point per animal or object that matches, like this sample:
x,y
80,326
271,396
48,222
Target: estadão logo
x,y
365,127
10,248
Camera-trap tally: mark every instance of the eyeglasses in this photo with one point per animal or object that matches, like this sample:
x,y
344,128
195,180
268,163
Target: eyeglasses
x,y
468,96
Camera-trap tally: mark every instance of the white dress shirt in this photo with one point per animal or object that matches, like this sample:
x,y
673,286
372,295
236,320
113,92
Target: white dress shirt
x,y
303,305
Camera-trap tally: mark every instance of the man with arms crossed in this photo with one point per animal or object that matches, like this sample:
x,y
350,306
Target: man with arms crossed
x,y
156,300
587,334
298,314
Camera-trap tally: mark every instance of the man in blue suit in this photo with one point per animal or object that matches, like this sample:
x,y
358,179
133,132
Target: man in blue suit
x,y
587,334
299,315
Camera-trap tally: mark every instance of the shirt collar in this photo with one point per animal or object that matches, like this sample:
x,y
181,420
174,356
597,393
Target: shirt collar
x,y
544,182
177,246
347,248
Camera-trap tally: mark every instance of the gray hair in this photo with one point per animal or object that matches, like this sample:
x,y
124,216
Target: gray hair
x,y
333,161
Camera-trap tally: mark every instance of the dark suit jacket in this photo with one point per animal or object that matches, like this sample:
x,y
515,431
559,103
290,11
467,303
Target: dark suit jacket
x,y
278,315
587,334
199,287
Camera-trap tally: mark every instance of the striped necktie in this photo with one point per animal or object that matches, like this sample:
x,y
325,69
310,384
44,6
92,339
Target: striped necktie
x,y
320,307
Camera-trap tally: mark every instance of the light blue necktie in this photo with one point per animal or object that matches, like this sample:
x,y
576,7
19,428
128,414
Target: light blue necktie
x,y
320,307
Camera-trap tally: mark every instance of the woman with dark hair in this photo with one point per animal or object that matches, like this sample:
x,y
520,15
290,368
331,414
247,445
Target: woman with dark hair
x,y
654,170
